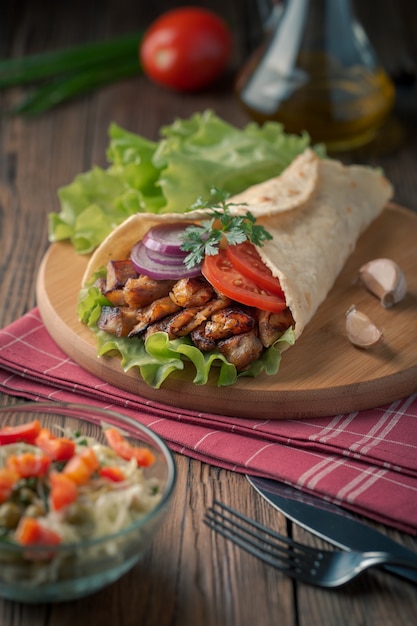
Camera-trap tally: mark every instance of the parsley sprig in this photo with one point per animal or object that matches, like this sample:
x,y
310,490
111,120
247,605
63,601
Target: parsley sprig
x,y
204,239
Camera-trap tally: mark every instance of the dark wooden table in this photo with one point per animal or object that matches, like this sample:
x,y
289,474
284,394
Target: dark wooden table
x,y
188,577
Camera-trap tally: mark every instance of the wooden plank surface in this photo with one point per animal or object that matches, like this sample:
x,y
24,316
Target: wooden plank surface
x,y
188,577
323,374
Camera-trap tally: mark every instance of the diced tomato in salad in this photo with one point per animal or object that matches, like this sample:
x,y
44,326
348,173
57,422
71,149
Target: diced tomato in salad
x,y
8,479
63,468
112,472
123,448
28,464
81,466
56,448
64,491
26,433
30,532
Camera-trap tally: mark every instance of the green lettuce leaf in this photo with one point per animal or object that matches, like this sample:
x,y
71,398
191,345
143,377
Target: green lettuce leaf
x,y
192,156
159,357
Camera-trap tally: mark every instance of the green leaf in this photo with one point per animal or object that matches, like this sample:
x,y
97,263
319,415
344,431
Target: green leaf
x,y
197,161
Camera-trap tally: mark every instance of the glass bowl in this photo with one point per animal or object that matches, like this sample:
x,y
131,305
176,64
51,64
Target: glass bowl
x,y
74,569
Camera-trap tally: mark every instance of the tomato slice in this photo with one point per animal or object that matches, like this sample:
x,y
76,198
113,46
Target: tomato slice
x,y
28,464
64,490
247,260
125,450
24,432
57,448
31,532
112,472
8,478
81,466
223,276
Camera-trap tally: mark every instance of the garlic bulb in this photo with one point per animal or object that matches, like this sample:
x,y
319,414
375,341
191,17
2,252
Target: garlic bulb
x,y
360,330
385,279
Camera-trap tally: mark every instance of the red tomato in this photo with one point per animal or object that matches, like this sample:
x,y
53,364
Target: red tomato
x,y
30,532
224,277
63,492
24,432
8,478
28,464
186,48
112,472
125,450
56,448
80,467
246,258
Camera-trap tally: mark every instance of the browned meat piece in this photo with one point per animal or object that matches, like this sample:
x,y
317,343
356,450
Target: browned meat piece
x,y
118,272
178,325
232,320
116,297
142,291
162,326
215,305
116,320
182,323
189,292
153,313
186,321
272,325
200,340
241,350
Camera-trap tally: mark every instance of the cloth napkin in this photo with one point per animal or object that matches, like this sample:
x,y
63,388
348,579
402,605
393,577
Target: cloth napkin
x,y
365,461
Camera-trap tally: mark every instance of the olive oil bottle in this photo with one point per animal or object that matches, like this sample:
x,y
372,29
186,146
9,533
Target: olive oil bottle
x,y
317,72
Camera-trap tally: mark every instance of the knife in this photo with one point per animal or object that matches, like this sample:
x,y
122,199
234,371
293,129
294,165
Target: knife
x,y
330,522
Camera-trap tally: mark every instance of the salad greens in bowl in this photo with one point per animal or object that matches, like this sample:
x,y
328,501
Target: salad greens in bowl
x,y
82,494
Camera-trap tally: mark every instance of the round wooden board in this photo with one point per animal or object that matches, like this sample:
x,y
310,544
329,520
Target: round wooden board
x,y
323,374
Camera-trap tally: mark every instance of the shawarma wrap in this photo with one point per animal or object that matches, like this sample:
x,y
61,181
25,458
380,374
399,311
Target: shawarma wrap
x,y
315,211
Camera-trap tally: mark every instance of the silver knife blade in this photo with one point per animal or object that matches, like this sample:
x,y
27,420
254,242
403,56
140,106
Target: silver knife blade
x,y
330,522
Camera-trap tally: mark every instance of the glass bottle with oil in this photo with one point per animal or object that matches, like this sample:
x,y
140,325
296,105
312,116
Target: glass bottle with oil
x,y
317,72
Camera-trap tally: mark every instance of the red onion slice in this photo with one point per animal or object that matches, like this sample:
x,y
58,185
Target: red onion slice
x,y
166,238
164,268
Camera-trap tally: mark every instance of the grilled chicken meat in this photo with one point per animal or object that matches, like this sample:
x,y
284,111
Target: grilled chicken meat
x,y
188,319
152,313
118,272
192,292
189,306
117,320
232,320
241,350
272,325
142,291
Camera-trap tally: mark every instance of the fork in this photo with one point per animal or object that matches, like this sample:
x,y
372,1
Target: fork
x,y
322,568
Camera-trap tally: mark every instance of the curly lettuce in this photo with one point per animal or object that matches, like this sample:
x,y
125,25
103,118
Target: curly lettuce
x,y
168,176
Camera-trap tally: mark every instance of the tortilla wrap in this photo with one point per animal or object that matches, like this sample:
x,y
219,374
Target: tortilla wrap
x,y
315,211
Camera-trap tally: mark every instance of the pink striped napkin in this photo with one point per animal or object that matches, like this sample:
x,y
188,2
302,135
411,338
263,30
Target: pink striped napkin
x,y
364,461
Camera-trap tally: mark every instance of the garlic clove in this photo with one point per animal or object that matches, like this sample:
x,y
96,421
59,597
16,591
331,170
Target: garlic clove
x,y
385,279
360,330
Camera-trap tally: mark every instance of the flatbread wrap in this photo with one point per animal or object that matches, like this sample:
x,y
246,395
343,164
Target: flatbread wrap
x,y
315,211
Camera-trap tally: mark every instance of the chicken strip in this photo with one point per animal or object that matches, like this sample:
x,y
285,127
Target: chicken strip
x,y
272,325
153,313
189,292
142,291
117,273
241,350
116,320
232,320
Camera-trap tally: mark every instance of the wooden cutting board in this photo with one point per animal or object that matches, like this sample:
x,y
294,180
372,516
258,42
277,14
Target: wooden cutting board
x,y
323,374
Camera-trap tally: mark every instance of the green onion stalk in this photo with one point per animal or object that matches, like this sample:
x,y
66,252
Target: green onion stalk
x,y
64,74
